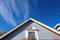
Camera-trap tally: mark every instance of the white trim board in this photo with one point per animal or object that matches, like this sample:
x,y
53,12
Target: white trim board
x,y
27,21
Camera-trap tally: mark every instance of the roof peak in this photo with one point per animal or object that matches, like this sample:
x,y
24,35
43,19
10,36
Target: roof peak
x,y
40,23
30,18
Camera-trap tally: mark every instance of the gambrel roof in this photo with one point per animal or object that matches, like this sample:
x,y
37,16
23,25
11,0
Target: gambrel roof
x,y
39,23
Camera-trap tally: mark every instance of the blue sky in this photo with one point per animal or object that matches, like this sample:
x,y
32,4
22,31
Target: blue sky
x,y
14,12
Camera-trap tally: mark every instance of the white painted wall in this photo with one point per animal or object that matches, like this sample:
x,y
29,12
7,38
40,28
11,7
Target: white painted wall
x,y
43,34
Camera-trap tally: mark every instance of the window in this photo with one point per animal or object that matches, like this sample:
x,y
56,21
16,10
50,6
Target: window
x,y
31,34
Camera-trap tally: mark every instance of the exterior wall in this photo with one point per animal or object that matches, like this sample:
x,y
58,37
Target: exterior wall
x,y
18,34
43,34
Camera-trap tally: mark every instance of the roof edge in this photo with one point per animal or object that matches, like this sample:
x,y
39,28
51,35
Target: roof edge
x,y
45,26
27,21
14,28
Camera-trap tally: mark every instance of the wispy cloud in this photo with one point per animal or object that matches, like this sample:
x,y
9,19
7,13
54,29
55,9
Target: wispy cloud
x,y
26,9
19,7
7,15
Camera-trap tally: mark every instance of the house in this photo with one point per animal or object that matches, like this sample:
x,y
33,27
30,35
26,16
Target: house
x,y
31,30
57,27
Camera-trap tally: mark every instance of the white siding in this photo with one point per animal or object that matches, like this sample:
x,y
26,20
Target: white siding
x,y
43,34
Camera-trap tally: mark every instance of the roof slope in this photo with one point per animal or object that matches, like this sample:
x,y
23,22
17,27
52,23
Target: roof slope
x,y
30,19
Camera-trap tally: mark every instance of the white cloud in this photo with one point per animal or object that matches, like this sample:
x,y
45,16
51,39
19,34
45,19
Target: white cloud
x,y
7,15
20,7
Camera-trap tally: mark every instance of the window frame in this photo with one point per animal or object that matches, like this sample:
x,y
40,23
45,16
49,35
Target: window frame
x,y
36,33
